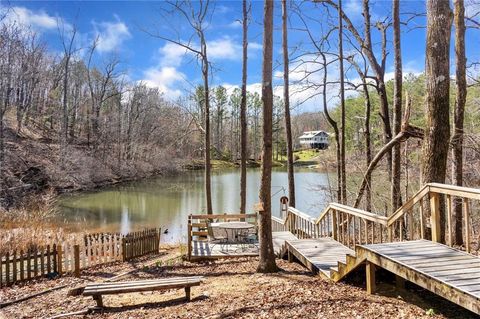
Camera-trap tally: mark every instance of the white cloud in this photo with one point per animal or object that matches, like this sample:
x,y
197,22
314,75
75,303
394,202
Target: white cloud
x,y
235,24
172,54
165,79
111,35
38,20
224,49
353,9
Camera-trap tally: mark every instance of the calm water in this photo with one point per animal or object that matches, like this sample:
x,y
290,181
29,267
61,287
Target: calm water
x,y
166,201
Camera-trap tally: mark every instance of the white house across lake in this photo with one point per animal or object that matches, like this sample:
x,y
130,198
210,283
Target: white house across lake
x,y
314,139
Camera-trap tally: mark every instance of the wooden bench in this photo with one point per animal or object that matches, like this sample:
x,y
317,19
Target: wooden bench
x,y
112,288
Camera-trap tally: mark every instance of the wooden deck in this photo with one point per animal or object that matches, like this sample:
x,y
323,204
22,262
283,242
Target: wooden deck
x,y
201,249
446,271
320,254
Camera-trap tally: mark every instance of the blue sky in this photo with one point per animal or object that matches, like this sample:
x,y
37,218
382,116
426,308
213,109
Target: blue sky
x,y
121,27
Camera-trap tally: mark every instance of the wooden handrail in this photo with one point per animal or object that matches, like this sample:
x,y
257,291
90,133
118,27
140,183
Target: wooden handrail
x,y
354,212
400,225
222,216
408,204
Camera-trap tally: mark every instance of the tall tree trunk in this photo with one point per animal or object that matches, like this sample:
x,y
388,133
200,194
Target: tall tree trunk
x,y
437,71
342,105
368,146
208,183
267,255
333,124
286,100
397,108
243,115
64,139
461,96
380,79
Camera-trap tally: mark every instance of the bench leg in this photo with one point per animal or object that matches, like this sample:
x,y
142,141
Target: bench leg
x,y
187,293
98,299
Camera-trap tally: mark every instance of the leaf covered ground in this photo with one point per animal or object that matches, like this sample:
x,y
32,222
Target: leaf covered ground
x,y
231,289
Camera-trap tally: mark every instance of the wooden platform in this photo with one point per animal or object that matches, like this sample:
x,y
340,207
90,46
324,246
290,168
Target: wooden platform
x,y
448,272
320,254
201,249
445,271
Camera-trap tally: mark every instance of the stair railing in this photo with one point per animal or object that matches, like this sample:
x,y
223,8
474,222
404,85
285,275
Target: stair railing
x,y
346,224
420,216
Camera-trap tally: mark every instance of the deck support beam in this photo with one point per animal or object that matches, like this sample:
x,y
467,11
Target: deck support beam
x,y
370,272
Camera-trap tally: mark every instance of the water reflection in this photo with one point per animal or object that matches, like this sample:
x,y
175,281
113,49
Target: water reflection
x,y
165,202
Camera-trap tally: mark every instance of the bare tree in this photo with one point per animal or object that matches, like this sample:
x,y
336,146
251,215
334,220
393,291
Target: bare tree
x,y
101,87
437,108
397,107
68,41
196,14
342,105
377,64
267,256
459,112
286,101
243,112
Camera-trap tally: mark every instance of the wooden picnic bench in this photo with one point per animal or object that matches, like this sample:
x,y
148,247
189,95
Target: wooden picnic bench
x,y
97,290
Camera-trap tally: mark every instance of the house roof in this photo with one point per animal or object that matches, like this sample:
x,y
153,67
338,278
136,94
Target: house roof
x,y
310,134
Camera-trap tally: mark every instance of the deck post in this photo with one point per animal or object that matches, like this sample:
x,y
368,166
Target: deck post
x,y
189,237
370,272
334,224
435,216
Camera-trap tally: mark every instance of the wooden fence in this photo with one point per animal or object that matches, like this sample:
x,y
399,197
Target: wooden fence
x,y
140,243
33,264
72,256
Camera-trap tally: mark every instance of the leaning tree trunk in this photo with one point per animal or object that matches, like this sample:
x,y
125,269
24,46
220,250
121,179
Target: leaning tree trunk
x,y
342,106
397,107
437,71
267,256
243,115
461,96
286,101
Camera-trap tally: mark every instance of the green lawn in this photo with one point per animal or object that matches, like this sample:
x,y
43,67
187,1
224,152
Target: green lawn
x,y
302,155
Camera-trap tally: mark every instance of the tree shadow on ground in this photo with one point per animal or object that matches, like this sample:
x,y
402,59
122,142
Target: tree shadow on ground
x,y
150,305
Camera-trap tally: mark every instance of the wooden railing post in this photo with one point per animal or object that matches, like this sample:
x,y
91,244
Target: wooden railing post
x,y
466,217
59,259
334,224
435,216
189,237
76,256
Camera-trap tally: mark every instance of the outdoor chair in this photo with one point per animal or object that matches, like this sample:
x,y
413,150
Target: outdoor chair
x,y
214,239
250,237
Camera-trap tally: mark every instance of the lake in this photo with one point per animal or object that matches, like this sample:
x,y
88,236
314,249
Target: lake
x,y
167,201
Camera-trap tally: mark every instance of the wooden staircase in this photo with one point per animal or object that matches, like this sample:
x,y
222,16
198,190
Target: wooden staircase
x,y
342,238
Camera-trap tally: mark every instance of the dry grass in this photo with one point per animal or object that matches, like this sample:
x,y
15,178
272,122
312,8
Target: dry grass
x,y
31,225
